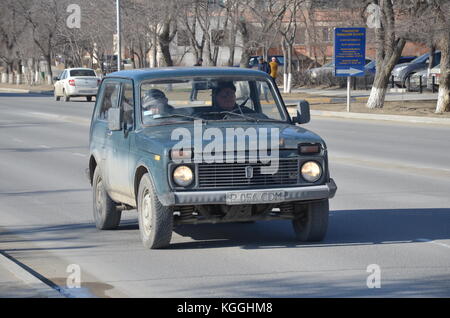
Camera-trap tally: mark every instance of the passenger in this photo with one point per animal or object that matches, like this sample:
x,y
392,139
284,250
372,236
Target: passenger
x,y
155,102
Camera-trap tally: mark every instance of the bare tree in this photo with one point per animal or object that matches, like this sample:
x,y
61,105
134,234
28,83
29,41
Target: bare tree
x,y
268,16
289,33
389,47
46,18
12,27
189,13
438,13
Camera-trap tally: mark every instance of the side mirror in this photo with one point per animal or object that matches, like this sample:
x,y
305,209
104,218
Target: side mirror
x,y
303,113
114,119
56,78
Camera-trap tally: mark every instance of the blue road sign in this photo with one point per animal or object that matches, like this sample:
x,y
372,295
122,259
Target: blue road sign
x,y
349,51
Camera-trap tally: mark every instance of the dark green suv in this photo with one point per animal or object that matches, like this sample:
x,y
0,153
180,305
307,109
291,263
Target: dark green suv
x,y
204,145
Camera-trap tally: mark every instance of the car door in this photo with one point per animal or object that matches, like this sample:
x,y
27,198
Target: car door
x,y
100,134
64,81
58,84
118,145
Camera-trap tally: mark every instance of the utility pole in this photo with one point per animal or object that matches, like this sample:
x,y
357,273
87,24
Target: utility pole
x,y
119,42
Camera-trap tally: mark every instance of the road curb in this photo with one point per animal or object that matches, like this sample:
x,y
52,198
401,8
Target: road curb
x,y
31,282
25,91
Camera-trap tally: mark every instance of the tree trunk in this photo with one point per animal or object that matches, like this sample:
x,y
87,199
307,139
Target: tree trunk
x,y
378,93
246,52
48,58
388,50
443,103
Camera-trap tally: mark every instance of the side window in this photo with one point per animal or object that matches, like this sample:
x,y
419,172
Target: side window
x,y
110,99
127,103
437,59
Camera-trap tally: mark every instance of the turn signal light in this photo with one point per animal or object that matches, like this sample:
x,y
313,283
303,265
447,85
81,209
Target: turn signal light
x,y
307,149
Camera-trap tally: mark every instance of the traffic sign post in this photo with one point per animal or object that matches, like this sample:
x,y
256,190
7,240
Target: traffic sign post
x,y
349,54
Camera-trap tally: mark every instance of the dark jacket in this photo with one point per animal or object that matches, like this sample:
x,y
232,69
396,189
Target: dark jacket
x,y
264,66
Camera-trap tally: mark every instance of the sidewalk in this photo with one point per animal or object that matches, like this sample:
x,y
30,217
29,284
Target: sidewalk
x,y
339,95
25,89
16,282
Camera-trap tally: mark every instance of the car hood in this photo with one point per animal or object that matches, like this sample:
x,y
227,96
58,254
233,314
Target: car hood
x,y
404,68
160,139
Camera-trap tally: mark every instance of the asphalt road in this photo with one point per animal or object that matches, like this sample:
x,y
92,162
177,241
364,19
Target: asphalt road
x,y
392,209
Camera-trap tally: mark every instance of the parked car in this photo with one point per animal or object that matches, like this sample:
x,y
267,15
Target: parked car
x,y
325,70
253,60
419,78
435,73
402,72
76,82
151,149
109,64
371,67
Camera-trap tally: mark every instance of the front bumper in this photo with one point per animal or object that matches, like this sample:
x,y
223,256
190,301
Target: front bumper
x,y
305,193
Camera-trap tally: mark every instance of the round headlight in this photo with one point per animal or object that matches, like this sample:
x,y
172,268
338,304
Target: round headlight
x,y
311,171
183,176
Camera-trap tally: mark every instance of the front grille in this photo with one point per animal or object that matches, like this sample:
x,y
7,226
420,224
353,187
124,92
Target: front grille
x,y
234,175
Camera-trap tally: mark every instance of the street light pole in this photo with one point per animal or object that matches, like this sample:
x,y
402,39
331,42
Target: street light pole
x,y
119,44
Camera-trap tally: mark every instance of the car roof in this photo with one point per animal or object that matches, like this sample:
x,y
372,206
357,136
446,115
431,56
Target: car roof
x,y
79,68
167,72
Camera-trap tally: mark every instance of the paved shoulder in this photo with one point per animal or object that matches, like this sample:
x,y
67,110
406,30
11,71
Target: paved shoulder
x,y
17,282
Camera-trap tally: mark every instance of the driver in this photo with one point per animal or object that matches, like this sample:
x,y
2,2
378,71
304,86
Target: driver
x,y
225,99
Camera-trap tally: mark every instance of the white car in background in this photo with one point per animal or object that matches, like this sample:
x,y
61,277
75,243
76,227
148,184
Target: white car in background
x,y
75,82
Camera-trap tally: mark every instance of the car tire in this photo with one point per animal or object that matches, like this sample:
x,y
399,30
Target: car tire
x,y
311,224
155,220
106,214
89,98
66,97
407,83
57,98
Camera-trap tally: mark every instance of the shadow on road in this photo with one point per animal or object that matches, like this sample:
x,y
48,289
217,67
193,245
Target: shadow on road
x,y
42,192
47,149
346,227
29,95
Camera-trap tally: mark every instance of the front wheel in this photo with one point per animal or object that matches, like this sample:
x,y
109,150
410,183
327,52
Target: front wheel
x,y
155,220
56,96
311,224
106,214
89,98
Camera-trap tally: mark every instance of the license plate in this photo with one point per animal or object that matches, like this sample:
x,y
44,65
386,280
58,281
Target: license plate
x,y
255,197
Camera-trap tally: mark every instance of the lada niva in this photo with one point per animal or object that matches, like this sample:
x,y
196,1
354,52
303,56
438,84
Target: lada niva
x,y
204,145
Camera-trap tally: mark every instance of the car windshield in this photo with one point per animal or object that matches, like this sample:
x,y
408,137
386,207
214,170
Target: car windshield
x,y
421,58
280,59
82,73
210,99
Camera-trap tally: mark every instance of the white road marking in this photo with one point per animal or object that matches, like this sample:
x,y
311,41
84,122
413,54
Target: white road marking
x,y
425,240
78,154
44,146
